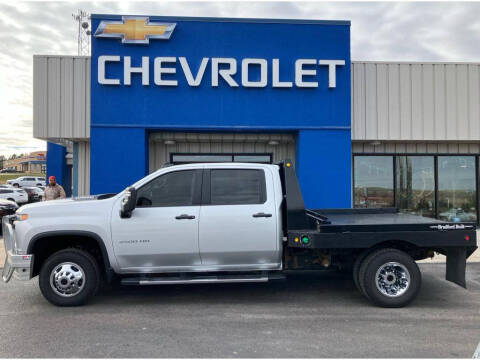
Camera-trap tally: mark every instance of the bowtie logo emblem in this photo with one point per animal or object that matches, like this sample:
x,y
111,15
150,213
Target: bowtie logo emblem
x,y
135,30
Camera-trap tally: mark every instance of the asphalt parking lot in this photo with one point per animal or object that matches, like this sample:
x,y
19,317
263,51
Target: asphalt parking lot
x,y
310,315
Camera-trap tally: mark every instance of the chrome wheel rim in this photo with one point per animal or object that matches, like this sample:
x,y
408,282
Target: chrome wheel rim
x,y
392,279
67,279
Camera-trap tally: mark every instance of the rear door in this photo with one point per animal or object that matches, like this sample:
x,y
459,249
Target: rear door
x,y
238,224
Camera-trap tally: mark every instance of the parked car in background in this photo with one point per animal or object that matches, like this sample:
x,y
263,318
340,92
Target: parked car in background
x,y
40,191
7,208
6,186
32,192
27,181
17,195
8,171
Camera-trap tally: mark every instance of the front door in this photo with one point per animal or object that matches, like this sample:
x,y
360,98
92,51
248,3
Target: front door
x,y
162,233
238,219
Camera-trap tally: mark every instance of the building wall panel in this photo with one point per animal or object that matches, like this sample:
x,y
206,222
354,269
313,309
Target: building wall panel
x,y
61,97
427,101
400,101
83,168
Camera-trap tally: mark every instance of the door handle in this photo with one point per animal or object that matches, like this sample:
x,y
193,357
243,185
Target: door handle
x,y
184,216
261,214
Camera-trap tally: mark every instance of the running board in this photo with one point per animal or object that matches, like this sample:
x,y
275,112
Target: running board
x,y
200,279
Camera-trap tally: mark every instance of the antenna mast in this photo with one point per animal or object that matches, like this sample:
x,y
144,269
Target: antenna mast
x,y
83,20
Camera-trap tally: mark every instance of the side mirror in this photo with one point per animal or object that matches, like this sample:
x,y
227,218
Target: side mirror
x,y
128,202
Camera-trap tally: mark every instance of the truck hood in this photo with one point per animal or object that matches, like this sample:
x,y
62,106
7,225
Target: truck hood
x,y
67,204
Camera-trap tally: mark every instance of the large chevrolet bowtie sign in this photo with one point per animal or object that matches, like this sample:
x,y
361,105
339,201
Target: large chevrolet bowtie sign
x,y
134,30
139,30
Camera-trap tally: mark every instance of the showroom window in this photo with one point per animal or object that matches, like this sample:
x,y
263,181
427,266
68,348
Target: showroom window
x,y
438,186
415,185
373,181
456,188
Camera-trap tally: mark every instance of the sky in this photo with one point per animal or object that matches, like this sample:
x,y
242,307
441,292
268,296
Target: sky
x,y
380,31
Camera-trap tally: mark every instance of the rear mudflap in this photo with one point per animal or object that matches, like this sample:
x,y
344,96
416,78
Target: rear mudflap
x,y
457,263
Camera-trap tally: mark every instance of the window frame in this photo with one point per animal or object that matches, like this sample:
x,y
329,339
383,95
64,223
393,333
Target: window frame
x,y
435,160
231,155
207,185
197,189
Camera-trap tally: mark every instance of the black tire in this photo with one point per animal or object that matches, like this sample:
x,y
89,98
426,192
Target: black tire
x,y
91,277
368,277
356,270
16,185
38,185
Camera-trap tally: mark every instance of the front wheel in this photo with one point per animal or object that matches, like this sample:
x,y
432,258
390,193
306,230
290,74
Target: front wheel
x,y
390,278
69,277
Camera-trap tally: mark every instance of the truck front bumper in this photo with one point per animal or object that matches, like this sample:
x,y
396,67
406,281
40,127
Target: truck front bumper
x,y
18,265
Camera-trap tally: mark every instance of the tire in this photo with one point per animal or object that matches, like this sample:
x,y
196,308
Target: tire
x,y
67,263
38,185
395,265
10,199
16,185
356,270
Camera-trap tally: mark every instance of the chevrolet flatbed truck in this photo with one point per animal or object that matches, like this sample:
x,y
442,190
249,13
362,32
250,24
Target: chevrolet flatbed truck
x,y
220,223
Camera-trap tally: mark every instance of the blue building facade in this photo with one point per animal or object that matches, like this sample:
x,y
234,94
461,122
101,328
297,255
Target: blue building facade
x,y
221,75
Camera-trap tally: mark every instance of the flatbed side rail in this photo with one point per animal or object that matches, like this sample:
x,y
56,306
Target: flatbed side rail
x,y
317,216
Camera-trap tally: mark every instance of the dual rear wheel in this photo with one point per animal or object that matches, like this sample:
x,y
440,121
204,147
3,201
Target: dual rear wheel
x,y
388,277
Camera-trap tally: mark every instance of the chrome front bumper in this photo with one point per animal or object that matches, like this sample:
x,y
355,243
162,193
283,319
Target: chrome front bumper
x,y
20,266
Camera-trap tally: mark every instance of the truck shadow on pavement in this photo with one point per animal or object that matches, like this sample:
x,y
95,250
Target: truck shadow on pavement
x,y
322,288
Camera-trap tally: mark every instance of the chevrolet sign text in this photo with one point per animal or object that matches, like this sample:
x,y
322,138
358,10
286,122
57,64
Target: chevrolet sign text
x,y
227,69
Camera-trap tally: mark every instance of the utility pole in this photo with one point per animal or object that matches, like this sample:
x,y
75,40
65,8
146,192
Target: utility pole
x,y
83,20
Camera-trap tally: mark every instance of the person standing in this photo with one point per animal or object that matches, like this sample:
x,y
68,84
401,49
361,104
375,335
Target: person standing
x,y
53,191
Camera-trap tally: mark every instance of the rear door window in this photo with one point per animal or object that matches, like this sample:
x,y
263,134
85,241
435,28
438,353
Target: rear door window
x,y
237,187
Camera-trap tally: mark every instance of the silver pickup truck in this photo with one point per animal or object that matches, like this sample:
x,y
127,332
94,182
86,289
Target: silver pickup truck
x,y
222,222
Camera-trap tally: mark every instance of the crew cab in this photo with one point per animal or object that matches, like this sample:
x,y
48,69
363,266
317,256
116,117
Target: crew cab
x,y
222,222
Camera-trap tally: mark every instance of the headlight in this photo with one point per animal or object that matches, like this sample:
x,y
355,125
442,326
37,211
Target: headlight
x,y
20,217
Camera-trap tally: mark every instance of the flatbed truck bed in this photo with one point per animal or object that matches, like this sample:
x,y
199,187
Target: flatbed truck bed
x,y
346,237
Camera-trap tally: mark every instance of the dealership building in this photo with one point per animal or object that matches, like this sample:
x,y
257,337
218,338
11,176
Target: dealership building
x,y
160,90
